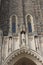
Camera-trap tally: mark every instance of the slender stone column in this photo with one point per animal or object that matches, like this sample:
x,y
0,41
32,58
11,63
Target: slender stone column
x,y
10,27
1,47
10,45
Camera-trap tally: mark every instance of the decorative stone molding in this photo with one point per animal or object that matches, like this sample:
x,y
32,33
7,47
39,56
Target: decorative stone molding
x,y
18,52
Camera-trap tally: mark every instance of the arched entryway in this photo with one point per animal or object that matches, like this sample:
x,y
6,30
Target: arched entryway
x,y
23,57
24,61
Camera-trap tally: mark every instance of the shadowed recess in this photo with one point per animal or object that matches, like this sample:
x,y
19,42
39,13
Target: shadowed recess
x,y
24,61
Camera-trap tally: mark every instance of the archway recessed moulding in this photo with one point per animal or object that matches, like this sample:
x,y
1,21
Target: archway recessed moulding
x,y
23,53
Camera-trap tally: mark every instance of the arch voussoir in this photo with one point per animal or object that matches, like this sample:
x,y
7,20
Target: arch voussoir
x,y
23,53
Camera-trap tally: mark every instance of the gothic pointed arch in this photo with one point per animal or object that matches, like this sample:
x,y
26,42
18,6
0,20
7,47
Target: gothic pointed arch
x,y
21,55
24,61
13,24
29,23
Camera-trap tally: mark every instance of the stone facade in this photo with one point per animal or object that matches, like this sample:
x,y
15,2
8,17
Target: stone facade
x,y
15,46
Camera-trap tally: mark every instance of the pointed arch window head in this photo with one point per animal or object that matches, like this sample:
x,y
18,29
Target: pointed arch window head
x,y
29,23
13,24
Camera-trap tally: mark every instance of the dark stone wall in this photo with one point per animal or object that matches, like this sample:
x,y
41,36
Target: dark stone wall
x,y
21,8
4,16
